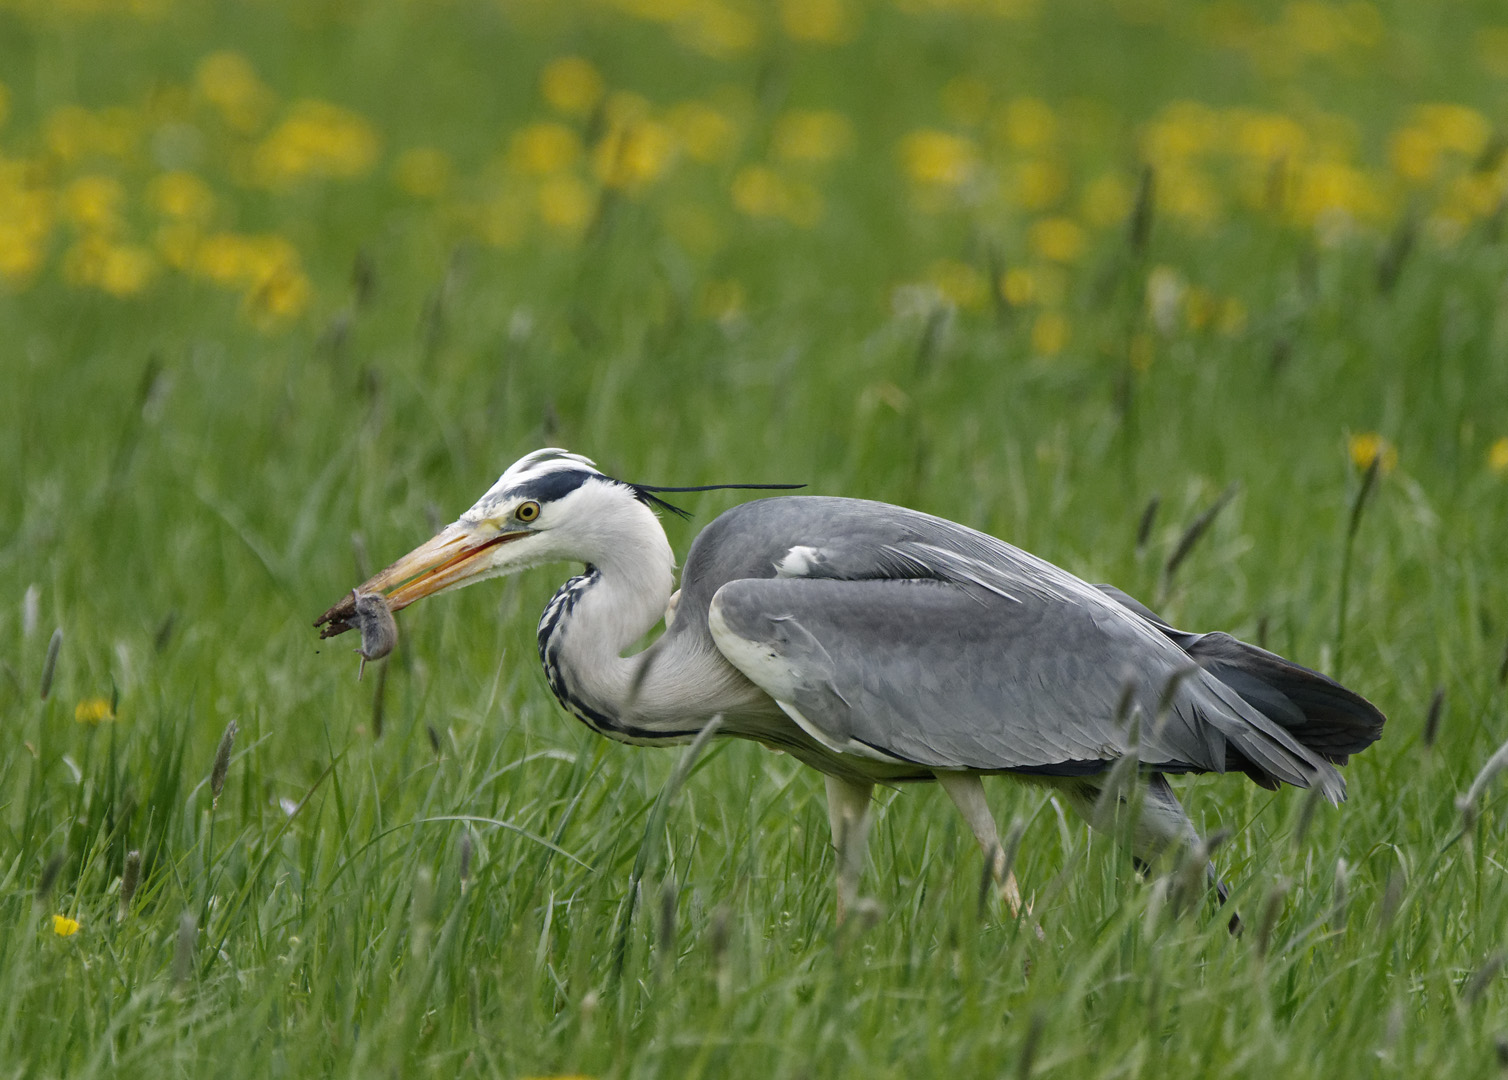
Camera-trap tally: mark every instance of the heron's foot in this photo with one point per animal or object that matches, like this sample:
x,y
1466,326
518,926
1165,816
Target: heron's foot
x,y
1010,892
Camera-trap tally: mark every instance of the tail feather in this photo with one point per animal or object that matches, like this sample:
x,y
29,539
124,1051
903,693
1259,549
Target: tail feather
x,y
1319,712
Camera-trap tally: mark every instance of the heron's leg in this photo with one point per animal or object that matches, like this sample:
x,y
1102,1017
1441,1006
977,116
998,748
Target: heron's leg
x,y
1162,825
967,792
848,814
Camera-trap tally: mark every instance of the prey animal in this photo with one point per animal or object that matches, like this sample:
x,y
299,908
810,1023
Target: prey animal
x,y
882,645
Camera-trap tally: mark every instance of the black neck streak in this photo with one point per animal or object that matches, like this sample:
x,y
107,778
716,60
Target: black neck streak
x,y
552,627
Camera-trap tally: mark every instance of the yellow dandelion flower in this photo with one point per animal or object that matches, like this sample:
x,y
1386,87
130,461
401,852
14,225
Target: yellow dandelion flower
x,y
571,85
93,711
1314,27
1186,194
565,203
1018,286
317,139
1050,333
94,202
277,298
820,22
21,254
63,926
1106,200
1474,195
265,267
718,30
811,135
938,158
961,284
1497,456
181,195
126,269
26,221
1457,128
1056,239
544,148
1331,187
1265,137
228,81
1414,154
1367,447
224,258
423,172
759,191
84,261
1028,124
633,154
705,133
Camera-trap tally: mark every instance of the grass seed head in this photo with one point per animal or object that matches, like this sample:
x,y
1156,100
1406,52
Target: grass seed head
x,y
130,877
50,664
1432,719
222,764
1272,907
49,875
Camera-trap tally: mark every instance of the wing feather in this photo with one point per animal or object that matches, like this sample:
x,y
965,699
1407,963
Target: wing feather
x,y
926,641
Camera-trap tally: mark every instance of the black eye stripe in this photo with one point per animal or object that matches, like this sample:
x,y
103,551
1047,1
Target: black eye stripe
x,y
552,485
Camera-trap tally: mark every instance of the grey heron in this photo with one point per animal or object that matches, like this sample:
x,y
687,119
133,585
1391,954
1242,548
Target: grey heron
x,y
879,644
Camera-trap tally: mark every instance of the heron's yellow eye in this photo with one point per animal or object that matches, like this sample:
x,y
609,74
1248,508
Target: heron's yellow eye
x,y
527,511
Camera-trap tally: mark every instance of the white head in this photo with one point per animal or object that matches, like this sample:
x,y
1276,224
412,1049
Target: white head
x,y
549,506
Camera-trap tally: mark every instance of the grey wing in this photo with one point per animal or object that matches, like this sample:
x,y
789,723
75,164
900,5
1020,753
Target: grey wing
x,y
902,637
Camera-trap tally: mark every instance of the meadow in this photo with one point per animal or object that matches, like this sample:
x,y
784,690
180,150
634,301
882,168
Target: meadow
x,y
285,285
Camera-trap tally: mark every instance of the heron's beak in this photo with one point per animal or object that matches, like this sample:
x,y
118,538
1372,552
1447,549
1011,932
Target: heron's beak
x,y
453,557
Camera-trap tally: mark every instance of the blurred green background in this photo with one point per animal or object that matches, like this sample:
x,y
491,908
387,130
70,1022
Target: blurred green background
x,y
286,285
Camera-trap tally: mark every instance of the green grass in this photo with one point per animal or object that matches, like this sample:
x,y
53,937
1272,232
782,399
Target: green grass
x,y
182,490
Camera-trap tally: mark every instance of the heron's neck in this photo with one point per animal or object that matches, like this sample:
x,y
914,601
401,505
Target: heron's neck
x,y
594,618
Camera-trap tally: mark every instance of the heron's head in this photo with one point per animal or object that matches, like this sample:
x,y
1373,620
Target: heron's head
x,y
550,506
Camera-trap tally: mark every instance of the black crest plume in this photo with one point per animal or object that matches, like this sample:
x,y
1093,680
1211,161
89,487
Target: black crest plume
x,y
647,493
